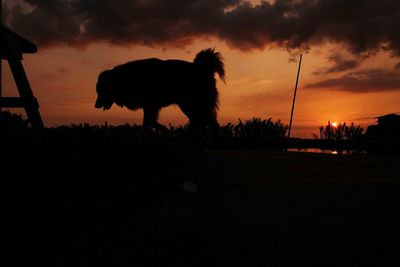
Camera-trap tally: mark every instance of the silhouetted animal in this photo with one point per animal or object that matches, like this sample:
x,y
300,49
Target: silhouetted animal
x,y
154,83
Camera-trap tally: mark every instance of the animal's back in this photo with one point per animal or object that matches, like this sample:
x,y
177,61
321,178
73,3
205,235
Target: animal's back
x,y
154,71
155,82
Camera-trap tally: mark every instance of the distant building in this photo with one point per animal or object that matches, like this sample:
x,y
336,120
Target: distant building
x,y
389,120
388,126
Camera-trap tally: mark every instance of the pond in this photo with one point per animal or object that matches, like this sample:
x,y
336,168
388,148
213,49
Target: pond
x,y
327,151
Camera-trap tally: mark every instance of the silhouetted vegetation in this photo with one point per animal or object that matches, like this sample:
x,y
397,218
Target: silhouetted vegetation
x,y
15,129
340,137
10,121
252,133
255,133
342,131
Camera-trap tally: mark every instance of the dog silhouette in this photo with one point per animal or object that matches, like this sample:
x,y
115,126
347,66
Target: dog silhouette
x,y
152,84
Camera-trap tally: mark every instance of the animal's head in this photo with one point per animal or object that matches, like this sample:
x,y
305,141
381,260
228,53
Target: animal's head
x,y
105,97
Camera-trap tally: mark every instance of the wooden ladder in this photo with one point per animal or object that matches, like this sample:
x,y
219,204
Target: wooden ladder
x,y
12,46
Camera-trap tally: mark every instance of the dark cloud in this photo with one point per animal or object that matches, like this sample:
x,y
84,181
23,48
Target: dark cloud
x,y
339,63
45,22
123,22
363,81
364,26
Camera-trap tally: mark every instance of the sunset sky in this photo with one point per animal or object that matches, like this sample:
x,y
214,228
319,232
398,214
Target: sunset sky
x,y
350,71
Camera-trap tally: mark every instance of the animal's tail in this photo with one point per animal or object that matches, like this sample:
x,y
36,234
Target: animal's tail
x,y
210,60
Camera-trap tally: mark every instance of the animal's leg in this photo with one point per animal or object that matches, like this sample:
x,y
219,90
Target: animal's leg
x,y
211,119
207,124
150,116
194,121
150,120
201,120
159,127
213,128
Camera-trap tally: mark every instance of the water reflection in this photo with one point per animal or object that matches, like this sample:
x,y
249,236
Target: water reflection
x,y
327,151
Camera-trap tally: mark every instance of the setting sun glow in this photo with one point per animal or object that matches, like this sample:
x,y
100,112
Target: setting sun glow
x,y
334,124
260,55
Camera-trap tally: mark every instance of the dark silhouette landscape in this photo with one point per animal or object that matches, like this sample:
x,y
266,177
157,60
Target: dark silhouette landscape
x,y
85,195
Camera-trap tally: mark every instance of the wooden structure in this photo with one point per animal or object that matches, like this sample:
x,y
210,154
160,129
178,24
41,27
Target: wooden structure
x,y
389,120
12,46
388,126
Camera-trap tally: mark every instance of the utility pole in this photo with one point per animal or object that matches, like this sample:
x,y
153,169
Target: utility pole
x,y
1,61
294,96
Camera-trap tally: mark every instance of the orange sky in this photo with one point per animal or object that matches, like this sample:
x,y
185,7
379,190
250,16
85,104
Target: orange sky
x,y
343,79
259,84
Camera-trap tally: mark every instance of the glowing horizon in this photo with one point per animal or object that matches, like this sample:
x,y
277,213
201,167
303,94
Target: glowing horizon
x,y
259,84
341,78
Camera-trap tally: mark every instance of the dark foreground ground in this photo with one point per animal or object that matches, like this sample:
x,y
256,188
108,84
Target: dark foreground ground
x,y
94,206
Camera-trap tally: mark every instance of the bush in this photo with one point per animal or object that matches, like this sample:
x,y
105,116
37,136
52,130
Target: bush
x,y
10,120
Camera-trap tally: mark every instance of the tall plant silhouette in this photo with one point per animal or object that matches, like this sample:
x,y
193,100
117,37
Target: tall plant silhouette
x,y
255,132
353,132
340,132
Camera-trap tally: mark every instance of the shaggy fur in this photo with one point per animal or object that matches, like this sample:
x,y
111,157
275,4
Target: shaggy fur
x,y
154,83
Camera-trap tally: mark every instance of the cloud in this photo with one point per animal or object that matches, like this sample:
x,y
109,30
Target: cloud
x,y
363,81
363,26
339,64
44,22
